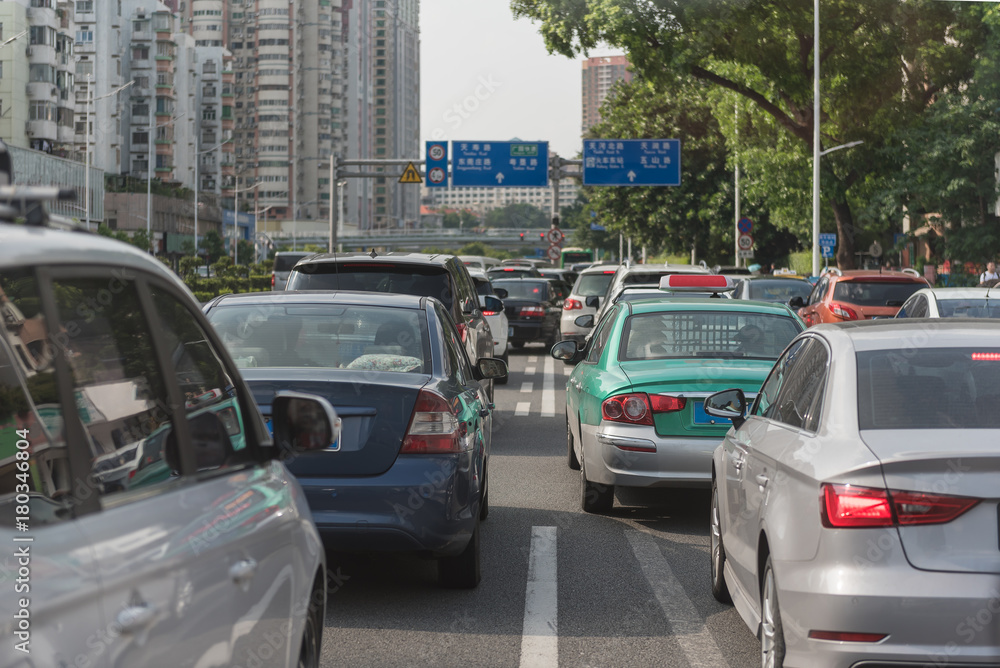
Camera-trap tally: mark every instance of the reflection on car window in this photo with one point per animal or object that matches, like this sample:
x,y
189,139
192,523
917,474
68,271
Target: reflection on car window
x,y
778,290
969,308
765,404
798,402
874,293
593,285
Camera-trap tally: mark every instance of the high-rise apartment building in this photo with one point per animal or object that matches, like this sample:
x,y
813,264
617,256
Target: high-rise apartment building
x,y
383,107
599,77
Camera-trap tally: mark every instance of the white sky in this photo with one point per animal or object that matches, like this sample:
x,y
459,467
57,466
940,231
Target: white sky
x,y
475,56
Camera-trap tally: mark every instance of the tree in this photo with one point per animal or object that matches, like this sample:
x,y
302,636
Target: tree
x,y
245,251
212,246
518,215
883,64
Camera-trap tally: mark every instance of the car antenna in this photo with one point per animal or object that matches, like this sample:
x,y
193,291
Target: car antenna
x,y
373,254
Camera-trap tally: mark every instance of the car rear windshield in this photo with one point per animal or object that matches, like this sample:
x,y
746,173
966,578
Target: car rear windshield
x,y
969,308
324,336
285,262
537,290
875,293
511,272
929,388
633,277
706,334
593,285
406,279
779,291
483,286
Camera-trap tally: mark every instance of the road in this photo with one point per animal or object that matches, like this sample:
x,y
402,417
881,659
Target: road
x,y
627,589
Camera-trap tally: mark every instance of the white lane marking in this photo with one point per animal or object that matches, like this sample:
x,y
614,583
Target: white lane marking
x,y
527,386
549,389
522,408
540,637
532,359
568,370
529,371
686,625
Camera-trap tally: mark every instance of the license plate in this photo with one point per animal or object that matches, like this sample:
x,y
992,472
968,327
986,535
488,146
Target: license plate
x,y
270,430
701,417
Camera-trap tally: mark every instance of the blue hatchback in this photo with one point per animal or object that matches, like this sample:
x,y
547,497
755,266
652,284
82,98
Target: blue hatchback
x,y
411,467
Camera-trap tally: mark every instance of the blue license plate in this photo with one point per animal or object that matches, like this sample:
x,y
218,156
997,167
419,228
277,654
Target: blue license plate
x,y
701,417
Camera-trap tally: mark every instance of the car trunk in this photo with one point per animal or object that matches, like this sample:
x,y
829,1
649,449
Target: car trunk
x,y
953,463
375,408
695,379
512,308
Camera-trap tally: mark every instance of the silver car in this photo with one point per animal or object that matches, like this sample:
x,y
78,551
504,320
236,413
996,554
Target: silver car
x,y
952,303
203,552
854,507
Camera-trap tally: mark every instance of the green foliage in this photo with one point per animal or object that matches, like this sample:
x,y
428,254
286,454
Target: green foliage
x,y
140,239
481,248
189,265
518,215
211,244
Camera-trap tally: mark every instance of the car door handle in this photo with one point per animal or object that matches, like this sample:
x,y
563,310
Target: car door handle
x,y
243,571
762,480
737,463
135,618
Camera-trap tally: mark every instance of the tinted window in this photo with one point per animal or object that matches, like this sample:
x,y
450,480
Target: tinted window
x,y
918,307
819,291
798,403
969,308
285,261
323,336
537,290
706,334
407,279
929,388
778,291
591,285
600,338
508,272
874,293
765,405
483,286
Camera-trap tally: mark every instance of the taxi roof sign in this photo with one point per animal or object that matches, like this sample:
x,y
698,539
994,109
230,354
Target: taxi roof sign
x,y
697,283
411,174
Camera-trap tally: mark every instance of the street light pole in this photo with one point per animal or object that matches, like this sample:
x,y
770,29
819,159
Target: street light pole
x,y
149,171
86,158
197,184
236,220
816,149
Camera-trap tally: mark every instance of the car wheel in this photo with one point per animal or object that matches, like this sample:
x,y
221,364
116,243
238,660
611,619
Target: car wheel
x,y
596,498
772,637
312,633
719,588
517,345
462,571
574,463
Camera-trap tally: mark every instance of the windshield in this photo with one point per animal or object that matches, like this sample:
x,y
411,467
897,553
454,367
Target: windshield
x,y
874,293
511,272
706,334
778,291
537,290
969,308
593,285
407,279
324,336
929,388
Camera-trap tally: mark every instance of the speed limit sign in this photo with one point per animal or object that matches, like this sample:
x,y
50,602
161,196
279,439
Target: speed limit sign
x,y
435,152
745,242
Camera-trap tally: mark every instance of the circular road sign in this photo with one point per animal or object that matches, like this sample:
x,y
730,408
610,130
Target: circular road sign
x,y
554,252
555,235
745,225
875,249
745,242
435,152
436,175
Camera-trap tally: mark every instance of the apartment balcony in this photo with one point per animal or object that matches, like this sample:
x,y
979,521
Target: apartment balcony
x,y
41,90
42,130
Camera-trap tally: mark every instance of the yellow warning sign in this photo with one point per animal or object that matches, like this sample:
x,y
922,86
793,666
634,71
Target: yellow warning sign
x,y
410,175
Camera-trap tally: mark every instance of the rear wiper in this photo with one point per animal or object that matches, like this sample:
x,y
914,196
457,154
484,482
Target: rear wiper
x,y
717,354
894,302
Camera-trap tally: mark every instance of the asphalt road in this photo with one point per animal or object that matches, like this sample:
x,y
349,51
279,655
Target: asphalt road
x,y
559,587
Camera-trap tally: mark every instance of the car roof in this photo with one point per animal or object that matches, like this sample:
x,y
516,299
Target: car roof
x,y
960,293
40,246
850,274
599,269
909,333
657,268
773,277
385,299
476,272
301,253
708,304
394,257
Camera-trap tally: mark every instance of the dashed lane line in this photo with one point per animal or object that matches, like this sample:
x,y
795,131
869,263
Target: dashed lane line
x,y
527,386
549,389
522,408
540,635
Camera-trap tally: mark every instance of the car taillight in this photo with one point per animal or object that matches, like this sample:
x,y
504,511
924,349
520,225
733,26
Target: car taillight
x,y
845,312
572,305
531,312
463,330
272,279
849,506
665,403
434,427
491,312
846,636
628,408
986,357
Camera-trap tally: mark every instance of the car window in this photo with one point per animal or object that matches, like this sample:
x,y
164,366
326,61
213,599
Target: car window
x,y
466,291
777,290
483,286
704,334
455,360
799,400
285,261
875,293
918,309
521,289
593,285
403,278
817,294
765,404
969,308
600,338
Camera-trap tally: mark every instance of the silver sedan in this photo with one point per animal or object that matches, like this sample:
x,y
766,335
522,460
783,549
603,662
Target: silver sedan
x,y
855,503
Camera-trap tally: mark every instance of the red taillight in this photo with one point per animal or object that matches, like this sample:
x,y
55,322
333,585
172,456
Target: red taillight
x,y
986,357
848,506
610,271
491,312
531,312
434,427
272,279
665,403
572,305
846,636
463,330
628,408
845,312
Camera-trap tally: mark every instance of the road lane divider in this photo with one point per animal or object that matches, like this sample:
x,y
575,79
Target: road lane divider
x,y
540,635
522,408
527,386
549,389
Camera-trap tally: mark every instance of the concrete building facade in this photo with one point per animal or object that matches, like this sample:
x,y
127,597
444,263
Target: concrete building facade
x,y
599,77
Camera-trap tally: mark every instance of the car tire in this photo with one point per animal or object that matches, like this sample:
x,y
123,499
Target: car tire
x,y
772,637
462,571
517,345
720,590
595,497
312,632
573,462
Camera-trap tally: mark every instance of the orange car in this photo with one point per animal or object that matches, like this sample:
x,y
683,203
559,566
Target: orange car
x,y
859,294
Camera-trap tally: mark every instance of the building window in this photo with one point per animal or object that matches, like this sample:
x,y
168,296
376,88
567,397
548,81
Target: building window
x,y
85,6
208,114
83,36
140,137
140,53
141,109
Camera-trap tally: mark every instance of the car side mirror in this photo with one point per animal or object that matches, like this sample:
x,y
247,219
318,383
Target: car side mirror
x,y
492,305
586,321
593,301
729,404
304,422
490,368
567,351
500,292
796,302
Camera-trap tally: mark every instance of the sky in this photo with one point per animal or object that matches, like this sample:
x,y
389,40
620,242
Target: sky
x,y
486,77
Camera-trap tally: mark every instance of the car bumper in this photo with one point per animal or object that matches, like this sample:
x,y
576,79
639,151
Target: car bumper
x,y
422,504
526,332
931,618
675,461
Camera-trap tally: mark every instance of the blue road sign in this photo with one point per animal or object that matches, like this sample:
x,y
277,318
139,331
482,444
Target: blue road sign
x,y
500,164
826,251
899,238
745,225
828,239
631,162
436,164
597,228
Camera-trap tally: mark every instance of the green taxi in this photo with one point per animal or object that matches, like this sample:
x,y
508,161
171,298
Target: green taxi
x,y
634,414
